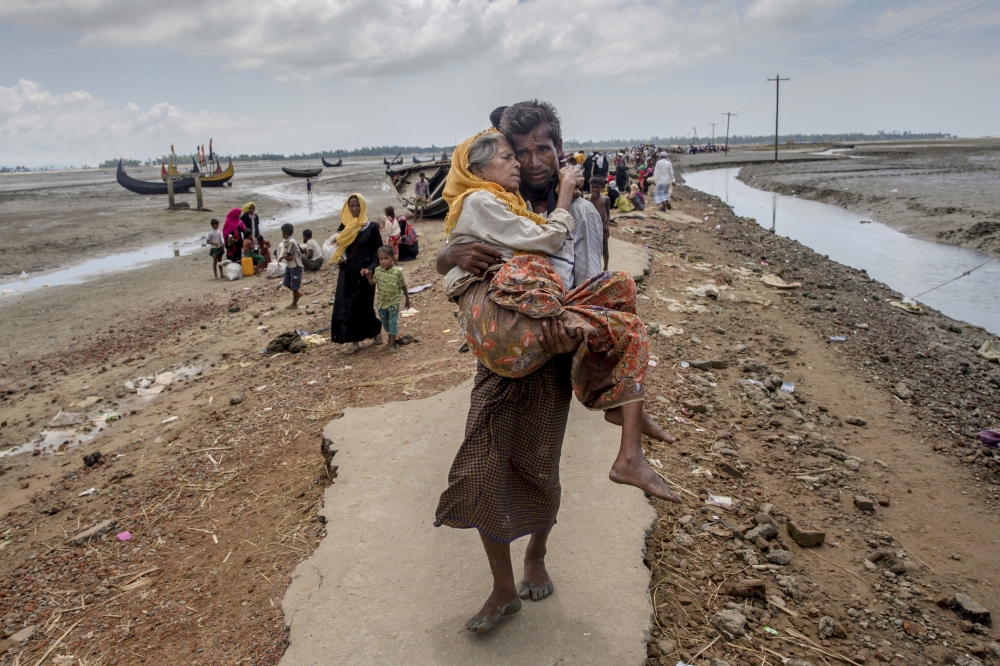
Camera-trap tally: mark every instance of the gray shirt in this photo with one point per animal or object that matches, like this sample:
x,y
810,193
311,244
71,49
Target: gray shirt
x,y
588,241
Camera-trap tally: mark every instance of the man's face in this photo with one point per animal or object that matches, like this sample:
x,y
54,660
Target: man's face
x,y
538,156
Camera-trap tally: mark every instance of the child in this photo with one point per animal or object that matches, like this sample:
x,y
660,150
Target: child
x,y
216,251
501,312
264,247
392,232
388,277
293,267
603,206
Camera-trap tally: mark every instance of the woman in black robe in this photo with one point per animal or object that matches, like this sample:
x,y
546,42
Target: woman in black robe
x,y
358,241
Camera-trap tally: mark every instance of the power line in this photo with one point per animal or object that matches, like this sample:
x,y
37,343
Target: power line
x,y
894,36
880,55
953,279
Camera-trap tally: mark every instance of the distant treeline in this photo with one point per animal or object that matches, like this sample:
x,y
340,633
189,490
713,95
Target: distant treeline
x,y
847,137
376,151
109,164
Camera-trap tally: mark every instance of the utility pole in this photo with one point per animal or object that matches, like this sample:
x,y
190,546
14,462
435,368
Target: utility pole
x,y
695,130
728,115
777,85
713,132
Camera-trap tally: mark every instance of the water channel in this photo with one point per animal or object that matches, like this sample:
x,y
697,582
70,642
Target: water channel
x,y
906,264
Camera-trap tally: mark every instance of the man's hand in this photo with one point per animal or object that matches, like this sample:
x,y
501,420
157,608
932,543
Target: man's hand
x,y
556,339
472,257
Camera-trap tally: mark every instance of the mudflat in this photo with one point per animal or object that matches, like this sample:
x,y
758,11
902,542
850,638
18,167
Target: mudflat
x,y
944,191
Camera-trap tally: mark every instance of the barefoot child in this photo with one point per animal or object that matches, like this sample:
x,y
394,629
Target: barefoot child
x,y
392,233
501,312
388,278
603,206
293,267
214,240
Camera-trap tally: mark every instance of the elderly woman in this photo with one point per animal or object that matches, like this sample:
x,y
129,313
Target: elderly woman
x,y
356,249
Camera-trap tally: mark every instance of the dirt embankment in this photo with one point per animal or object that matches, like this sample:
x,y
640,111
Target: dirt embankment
x,y
221,502
940,192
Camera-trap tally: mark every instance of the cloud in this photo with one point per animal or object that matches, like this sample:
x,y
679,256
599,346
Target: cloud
x,y
790,12
77,128
386,38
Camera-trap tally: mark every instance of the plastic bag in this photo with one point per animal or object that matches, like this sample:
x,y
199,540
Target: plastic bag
x,y
276,269
329,247
233,271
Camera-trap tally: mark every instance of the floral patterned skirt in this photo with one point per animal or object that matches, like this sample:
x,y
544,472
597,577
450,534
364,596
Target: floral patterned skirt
x,y
501,317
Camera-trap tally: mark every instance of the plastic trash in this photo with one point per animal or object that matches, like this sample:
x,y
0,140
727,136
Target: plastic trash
x,y
685,364
233,271
838,338
773,632
170,419
124,536
990,438
721,501
754,382
652,363
88,491
788,387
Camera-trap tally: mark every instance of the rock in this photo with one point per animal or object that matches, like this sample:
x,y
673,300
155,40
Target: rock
x,y
968,661
826,626
749,588
994,649
235,308
855,421
763,531
805,538
235,399
899,568
686,520
92,459
777,556
652,329
25,634
730,623
902,391
752,365
683,539
729,470
956,557
694,406
852,464
762,518
870,566
978,650
701,364
718,662
797,662
98,530
722,447
666,646
790,586
863,503
767,508
970,610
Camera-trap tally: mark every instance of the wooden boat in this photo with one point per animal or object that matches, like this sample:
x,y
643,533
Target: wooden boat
x,y
395,160
338,163
219,179
145,187
303,173
404,178
416,161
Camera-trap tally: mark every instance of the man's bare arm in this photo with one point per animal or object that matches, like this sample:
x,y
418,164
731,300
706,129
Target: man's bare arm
x,y
472,257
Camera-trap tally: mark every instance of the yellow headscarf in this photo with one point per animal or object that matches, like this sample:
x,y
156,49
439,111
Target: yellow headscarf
x,y
352,225
246,209
462,182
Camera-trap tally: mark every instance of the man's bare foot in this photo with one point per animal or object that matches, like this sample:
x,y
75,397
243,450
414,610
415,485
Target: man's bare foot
x,y
650,428
498,606
292,307
638,473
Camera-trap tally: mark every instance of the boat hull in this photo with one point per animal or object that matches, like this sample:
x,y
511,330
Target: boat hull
x,y
302,173
145,187
404,178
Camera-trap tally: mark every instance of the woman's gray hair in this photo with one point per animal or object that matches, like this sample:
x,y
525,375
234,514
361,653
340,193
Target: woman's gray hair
x,y
482,150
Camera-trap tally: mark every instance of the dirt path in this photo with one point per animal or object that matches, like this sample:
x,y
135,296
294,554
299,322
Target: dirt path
x,y
396,590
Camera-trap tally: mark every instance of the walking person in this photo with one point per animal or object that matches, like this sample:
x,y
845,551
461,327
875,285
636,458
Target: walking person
x,y
356,248
216,247
388,278
663,177
422,194
309,188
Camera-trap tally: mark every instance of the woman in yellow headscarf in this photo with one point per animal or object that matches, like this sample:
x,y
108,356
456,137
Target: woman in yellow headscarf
x,y
248,215
356,245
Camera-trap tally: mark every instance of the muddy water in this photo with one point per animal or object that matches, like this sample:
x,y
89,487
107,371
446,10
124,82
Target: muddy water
x,y
305,209
908,265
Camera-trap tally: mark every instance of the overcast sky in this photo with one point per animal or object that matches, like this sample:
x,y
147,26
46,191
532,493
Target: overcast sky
x,y
87,80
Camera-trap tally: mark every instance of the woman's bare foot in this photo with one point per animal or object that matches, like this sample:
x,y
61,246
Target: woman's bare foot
x,y
650,428
637,472
499,605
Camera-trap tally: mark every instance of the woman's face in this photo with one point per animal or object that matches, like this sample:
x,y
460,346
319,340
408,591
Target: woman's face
x,y
503,169
252,210
354,206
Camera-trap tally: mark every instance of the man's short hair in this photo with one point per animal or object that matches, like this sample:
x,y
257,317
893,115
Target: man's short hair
x,y
214,222
307,233
287,228
526,117
597,182
389,210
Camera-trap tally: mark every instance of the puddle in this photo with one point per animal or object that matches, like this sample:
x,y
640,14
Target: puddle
x,y
80,424
306,210
908,265
838,151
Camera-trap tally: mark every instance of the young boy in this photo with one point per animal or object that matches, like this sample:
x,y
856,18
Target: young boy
x,y
293,268
392,233
603,206
216,248
388,277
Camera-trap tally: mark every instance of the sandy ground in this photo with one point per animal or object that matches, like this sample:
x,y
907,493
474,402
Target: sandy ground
x,y
944,191
222,502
